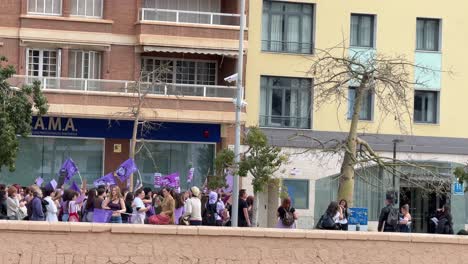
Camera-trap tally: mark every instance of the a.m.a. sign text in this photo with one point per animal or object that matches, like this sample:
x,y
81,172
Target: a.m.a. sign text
x,y
54,126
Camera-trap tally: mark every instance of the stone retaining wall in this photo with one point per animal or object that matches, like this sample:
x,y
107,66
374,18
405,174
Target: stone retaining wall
x,y
77,243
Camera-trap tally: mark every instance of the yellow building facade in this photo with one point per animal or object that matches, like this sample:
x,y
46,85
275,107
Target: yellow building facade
x,y
428,33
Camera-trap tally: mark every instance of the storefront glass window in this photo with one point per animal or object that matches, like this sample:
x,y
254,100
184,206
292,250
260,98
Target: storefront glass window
x,y
43,156
167,158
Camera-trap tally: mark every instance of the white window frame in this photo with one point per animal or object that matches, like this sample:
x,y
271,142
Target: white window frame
x,y
85,2
174,66
41,56
45,13
83,52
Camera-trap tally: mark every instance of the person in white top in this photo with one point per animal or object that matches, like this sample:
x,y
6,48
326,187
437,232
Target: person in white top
x,y
343,222
139,209
51,214
192,207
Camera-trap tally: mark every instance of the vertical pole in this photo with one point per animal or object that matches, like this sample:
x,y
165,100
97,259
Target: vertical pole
x,y
240,70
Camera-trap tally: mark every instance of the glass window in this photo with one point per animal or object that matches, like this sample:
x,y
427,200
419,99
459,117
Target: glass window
x,y
180,71
87,8
45,7
43,156
84,64
425,106
427,34
287,27
285,102
366,104
42,63
168,158
362,30
298,191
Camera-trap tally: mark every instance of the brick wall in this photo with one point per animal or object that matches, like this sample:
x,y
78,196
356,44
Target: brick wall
x,y
79,243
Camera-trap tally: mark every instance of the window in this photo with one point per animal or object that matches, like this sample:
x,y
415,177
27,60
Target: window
x,y
362,30
287,27
42,63
366,104
87,8
166,158
425,106
427,34
43,156
45,7
298,191
84,64
285,102
180,71
194,6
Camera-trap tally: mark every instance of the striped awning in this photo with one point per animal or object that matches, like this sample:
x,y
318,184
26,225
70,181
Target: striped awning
x,y
206,51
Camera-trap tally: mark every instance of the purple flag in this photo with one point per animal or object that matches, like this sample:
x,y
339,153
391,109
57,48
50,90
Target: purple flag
x,y
229,181
190,175
53,184
158,180
105,180
170,181
69,169
101,216
126,169
39,181
75,187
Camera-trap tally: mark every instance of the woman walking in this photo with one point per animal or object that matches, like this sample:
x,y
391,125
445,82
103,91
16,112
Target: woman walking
x,y
286,214
193,207
116,204
166,217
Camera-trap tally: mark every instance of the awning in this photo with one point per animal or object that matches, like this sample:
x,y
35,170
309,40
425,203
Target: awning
x,y
207,51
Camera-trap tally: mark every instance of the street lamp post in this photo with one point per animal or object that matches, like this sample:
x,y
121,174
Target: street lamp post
x,y
395,142
238,105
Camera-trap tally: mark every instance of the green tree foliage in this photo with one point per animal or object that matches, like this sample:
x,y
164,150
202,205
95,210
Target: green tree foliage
x,y
224,161
260,160
462,175
16,110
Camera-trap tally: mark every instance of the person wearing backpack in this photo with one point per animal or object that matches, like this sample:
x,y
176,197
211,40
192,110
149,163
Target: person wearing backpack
x,y
213,215
287,215
389,215
329,220
445,223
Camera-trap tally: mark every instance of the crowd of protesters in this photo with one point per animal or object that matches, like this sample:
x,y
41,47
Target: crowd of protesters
x,y
144,206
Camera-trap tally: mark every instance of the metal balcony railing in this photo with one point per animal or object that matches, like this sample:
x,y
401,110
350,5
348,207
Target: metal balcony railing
x,y
190,17
284,121
118,86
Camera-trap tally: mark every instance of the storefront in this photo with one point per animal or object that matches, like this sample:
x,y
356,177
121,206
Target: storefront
x,y
98,146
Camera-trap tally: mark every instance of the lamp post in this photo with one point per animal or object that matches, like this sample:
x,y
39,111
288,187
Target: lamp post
x,y
238,105
395,142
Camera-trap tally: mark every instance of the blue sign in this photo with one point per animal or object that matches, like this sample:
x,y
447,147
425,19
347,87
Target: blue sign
x,y
358,216
122,129
458,189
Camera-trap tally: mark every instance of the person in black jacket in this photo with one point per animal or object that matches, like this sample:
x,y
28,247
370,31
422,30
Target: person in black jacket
x,y
445,224
384,214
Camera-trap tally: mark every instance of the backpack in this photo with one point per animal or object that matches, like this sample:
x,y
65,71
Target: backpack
x,y
288,219
326,222
392,217
209,217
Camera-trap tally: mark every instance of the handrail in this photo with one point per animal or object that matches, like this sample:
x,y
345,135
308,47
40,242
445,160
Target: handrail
x,y
123,86
177,13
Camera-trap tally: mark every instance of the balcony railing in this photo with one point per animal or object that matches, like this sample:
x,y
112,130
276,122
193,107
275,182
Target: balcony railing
x,y
285,121
190,17
117,86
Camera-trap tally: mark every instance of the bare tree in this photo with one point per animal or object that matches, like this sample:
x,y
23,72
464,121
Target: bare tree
x,y
142,113
390,80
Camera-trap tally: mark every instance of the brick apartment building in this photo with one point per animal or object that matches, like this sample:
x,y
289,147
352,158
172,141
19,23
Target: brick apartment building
x,y
87,53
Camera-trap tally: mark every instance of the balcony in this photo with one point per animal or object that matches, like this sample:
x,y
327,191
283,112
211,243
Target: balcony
x,y
284,121
126,87
188,17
